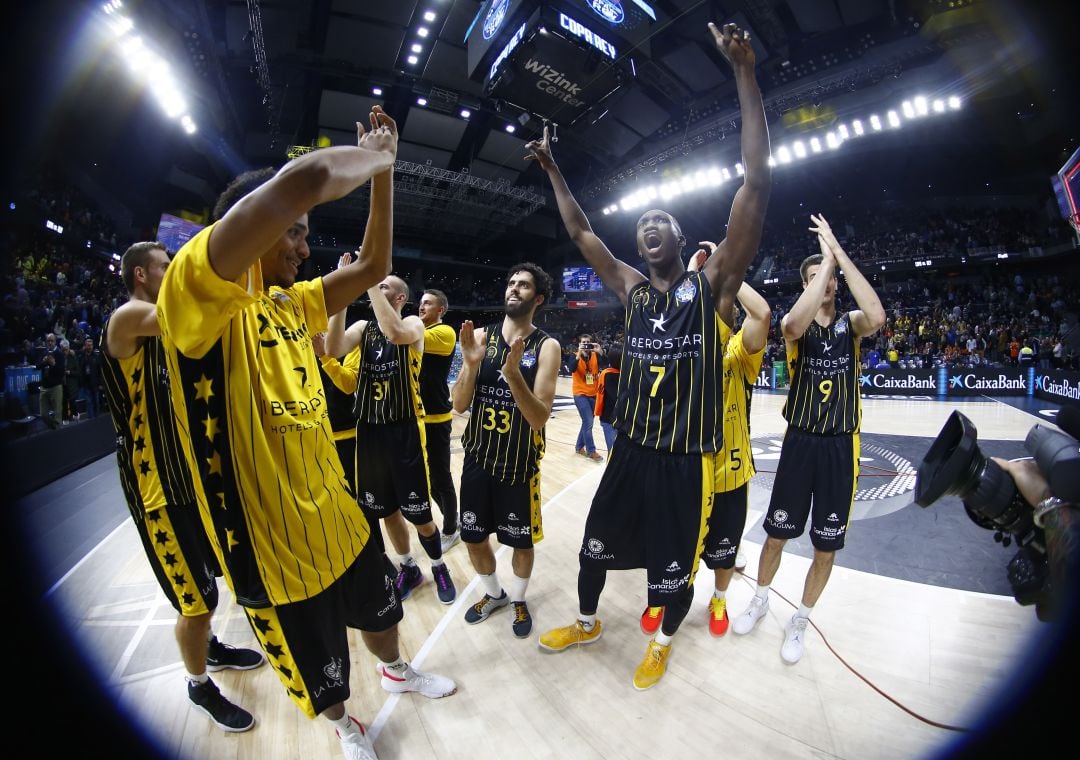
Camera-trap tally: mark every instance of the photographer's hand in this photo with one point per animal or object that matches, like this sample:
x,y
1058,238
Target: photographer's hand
x,y
1029,480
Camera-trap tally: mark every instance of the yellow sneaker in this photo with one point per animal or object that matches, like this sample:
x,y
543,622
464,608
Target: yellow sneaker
x,y
652,667
558,639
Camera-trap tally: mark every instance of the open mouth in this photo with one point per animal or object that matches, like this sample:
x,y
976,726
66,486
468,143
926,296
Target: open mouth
x,y
652,239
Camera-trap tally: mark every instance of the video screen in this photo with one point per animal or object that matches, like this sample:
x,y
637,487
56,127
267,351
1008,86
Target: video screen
x,y
173,232
581,280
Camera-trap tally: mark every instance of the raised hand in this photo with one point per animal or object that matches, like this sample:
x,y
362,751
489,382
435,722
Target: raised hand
x,y
540,151
734,44
822,229
697,261
346,259
513,356
472,351
383,135
318,343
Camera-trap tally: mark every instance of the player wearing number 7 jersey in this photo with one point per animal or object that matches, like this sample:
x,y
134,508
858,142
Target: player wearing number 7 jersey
x,y
819,459
508,377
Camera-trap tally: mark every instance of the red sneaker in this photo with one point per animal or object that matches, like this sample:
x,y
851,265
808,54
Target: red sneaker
x,y
651,619
718,617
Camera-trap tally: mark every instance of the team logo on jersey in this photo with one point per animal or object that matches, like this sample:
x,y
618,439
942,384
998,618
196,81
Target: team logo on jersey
x,y
673,568
333,670
780,516
369,498
469,518
841,327
412,495
658,323
277,295
639,296
511,516
528,358
686,292
491,351
595,545
826,347
833,517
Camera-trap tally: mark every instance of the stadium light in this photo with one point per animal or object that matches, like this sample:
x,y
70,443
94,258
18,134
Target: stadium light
x,y
740,170
412,59
832,141
417,48
422,31
421,101
783,155
908,109
429,16
510,128
465,113
894,120
376,91
815,145
939,105
954,103
799,149
921,106
856,127
875,122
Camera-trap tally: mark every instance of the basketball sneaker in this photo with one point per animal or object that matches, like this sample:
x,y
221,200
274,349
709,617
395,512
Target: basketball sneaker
x,y
444,584
356,745
718,617
220,656
652,667
408,578
522,624
447,540
756,610
794,636
740,561
206,698
651,619
428,684
482,610
558,639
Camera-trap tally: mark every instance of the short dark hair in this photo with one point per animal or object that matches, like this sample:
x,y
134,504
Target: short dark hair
x,y
614,357
240,187
439,296
541,278
808,262
137,256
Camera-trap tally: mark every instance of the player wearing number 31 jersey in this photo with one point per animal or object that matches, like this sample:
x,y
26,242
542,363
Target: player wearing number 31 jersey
x,y
819,460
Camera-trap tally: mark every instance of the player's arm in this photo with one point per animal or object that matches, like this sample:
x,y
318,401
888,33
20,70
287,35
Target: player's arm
x,y
870,316
755,328
338,340
535,404
472,353
344,375
795,322
398,330
128,326
727,271
257,222
615,274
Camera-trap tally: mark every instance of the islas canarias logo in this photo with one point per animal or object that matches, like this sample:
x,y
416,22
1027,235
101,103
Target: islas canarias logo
x,y
495,17
609,10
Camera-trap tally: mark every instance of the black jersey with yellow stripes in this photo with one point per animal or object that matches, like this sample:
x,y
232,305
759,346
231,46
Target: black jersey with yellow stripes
x,y
823,365
497,435
670,396
388,386
153,469
439,342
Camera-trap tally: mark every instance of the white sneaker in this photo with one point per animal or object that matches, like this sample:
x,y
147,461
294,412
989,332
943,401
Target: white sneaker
x,y
756,610
448,541
357,745
430,685
740,561
794,635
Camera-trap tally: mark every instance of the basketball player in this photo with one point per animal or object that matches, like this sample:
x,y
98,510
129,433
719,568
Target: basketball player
x,y
157,484
508,377
652,504
743,353
246,391
391,464
819,459
439,342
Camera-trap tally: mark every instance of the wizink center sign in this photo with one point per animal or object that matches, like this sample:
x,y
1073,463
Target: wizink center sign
x,y
1057,385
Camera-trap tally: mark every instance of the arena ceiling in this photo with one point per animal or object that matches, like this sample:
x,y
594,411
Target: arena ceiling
x,y
266,76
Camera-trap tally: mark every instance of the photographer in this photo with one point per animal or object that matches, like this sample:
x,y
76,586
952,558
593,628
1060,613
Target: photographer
x,y
586,372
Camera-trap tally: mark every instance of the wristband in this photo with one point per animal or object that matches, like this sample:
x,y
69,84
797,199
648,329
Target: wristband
x,y
1047,505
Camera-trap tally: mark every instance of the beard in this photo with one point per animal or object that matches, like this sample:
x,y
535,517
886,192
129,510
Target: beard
x,y
519,309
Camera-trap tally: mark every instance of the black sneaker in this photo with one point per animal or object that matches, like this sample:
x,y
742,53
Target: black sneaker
x,y
408,578
220,656
228,717
443,583
482,610
522,624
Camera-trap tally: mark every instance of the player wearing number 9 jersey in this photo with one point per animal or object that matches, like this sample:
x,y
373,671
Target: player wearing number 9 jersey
x,y
819,460
508,377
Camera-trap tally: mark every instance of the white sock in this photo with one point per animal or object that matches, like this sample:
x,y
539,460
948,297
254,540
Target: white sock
x,y
407,560
588,622
718,594
397,665
662,638
804,611
437,562
517,588
345,725
762,591
492,587
197,679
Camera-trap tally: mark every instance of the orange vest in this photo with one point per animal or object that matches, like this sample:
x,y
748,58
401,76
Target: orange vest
x,y
600,393
583,372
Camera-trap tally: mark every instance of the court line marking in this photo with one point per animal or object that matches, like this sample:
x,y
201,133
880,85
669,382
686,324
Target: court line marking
x,y
391,702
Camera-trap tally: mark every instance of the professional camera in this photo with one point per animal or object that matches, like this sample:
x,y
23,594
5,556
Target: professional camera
x,y
955,466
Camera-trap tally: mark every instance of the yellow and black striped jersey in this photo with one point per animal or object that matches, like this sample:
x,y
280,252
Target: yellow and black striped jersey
x,y
388,388
824,369
439,342
497,435
735,461
670,398
253,419
153,469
